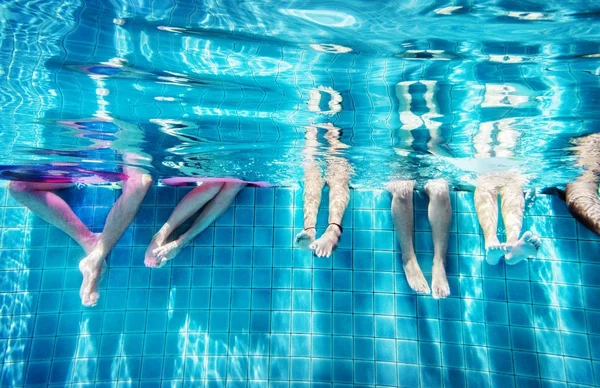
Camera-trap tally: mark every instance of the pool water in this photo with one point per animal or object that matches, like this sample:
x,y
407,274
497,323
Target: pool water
x,y
191,88
242,307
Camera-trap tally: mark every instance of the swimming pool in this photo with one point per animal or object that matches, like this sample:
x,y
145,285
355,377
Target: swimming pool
x,y
223,88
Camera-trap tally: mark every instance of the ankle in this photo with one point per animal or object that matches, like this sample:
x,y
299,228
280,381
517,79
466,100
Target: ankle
x,y
183,240
334,228
408,257
491,241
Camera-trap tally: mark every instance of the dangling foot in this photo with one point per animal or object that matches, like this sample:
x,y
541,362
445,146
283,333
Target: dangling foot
x,y
150,260
168,251
527,246
494,251
414,276
91,269
305,238
439,282
327,242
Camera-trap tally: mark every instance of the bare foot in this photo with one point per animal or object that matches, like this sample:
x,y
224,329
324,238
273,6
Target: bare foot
x,y
527,246
493,253
439,282
91,269
168,251
414,276
305,238
150,260
327,242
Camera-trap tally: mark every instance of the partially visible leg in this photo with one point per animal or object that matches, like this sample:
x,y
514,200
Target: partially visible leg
x,y
118,220
486,206
513,204
311,199
402,213
187,207
584,204
440,217
338,177
39,198
211,211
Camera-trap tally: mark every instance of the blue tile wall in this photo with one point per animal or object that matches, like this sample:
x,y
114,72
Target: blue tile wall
x,y
242,307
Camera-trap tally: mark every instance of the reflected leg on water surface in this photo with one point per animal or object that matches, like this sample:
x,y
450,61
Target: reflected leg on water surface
x,y
186,208
39,198
513,204
209,213
402,214
118,220
440,217
338,176
486,207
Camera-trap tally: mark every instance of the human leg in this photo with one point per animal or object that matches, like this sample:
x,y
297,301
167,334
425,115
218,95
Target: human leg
x,y
486,207
186,208
210,212
118,220
40,199
338,177
440,217
402,214
311,199
512,213
584,204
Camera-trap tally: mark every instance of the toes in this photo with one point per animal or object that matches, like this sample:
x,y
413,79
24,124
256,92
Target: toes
x,y
420,287
440,292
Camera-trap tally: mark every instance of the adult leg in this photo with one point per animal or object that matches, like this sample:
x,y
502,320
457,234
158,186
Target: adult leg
x,y
187,207
211,211
311,199
440,217
584,204
512,213
40,199
402,213
338,177
486,207
118,220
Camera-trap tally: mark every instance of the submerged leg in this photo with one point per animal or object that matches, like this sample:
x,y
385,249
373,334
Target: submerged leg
x,y
440,217
512,213
211,211
584,204
187,207
311,199
402,213
39,198
119,218
338,177
486,206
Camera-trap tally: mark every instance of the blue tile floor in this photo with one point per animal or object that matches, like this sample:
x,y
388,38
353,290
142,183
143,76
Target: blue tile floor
x,y
242,307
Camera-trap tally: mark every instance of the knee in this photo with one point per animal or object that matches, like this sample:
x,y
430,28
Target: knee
x,y
139,182
401,190
16,188
438,190
212,188
233,188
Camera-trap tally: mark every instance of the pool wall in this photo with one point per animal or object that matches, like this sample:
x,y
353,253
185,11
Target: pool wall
x,y
242,307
